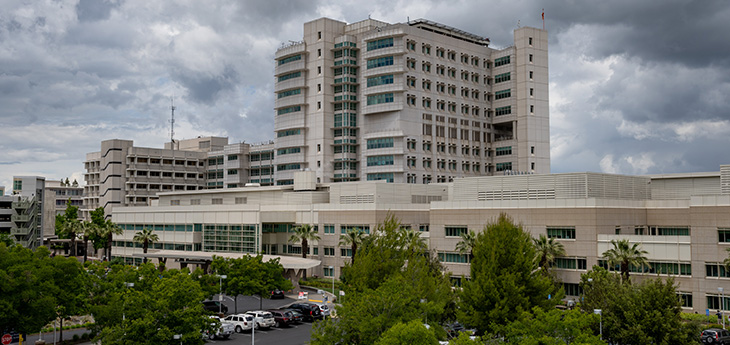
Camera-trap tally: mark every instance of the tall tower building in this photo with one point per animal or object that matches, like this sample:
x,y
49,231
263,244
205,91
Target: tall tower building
x,y
414,102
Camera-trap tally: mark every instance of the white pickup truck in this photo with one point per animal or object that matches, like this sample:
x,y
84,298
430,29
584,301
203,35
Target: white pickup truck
x,y
224,331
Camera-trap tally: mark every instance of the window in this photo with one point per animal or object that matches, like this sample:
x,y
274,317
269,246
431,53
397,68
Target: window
x,y
501,61
241,200
423,228
389,177
561,232
529,40
380,62
290,76
345,252
530,75
329,229
380,160
379,143
503,94
503,166
380,80
454,231
501,77
570,263
503,151
572,289
290,59
288,132
381,43
319,52
284,167
289,150
685,299
532,92
453,257
503,111
289,93
532,109
716,269
381,98
217,201
723,234
530,57
174,202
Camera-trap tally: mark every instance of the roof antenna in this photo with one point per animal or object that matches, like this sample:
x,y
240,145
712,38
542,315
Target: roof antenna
x,y
172,122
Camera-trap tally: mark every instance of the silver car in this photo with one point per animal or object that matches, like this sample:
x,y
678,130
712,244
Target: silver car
x,y
324,308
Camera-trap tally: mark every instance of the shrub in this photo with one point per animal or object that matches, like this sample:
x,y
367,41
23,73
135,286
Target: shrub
x,y
85,336
75,337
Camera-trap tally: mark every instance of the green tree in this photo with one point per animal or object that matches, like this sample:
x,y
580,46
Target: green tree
x,y
35,288
466,243
726,262
248,275
98,239
87,229
504,283
145,237
646,313
625,255
414,241
106,232
304,233
554,327
352,238
410,333
388,284
7,239
547,249
68,225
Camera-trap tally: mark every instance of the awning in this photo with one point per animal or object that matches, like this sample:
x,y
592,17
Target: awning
x,y
288,262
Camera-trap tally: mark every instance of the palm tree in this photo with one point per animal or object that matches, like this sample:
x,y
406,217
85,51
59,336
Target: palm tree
x,y
546,250
304,234
626,255
726,262
352,238
145,237
466,244
70,228
413,240
87,229
107,231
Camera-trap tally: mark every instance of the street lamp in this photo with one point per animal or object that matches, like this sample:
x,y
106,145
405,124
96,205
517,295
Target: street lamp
x,y
124,306
220,295
332,271
722,305
600,320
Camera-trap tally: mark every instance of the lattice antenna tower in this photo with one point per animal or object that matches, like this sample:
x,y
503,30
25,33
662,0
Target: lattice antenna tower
x,y
172,122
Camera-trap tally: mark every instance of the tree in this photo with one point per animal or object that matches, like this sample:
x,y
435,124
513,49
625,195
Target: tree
x,y
145,237
410,333
503,281
414,241
7,239
726,262
390,283
304,234
547,249
466,244
106,231
554,327
352,238
35,288
626,255
248,275
87,229
646,313
68,224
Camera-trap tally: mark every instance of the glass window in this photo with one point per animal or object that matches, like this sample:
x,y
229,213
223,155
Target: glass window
x,y
561,232
381,43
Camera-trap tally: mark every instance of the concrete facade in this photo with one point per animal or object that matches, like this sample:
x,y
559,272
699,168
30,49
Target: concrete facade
x,y
414,102
686,235
55,198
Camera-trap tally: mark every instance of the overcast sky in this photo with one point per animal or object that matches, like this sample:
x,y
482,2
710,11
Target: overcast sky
x,y
636,87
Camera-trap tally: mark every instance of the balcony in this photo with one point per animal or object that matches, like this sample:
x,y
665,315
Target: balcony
x,y
21,205
22,231
20,218
289,67
290,84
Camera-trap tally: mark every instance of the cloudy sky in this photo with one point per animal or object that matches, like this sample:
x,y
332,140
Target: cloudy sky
x,y
636,87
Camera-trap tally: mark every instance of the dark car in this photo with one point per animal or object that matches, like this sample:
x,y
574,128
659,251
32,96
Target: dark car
x,y
277,294
282,317
297,317
715,336
310,311
215,307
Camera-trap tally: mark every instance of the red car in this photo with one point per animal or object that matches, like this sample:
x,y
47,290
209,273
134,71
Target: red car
x,y
282,317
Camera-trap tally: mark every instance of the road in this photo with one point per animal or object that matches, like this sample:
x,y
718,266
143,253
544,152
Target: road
x,y
294,335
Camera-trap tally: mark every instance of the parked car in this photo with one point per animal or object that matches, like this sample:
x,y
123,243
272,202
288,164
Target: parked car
x,y
324,308
282,317
263,319
297,316
225,329
215,306
241,322
277,294
310,311
715,336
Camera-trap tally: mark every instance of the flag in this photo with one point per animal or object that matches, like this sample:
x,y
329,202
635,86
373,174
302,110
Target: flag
x,y
543,14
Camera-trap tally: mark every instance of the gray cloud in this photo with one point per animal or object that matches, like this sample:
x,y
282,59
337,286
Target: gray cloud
x,y
636,87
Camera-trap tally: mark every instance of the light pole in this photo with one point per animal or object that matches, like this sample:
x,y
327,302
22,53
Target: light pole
x,y
332,270
600,320
220,295
124,306
722,305
178,337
